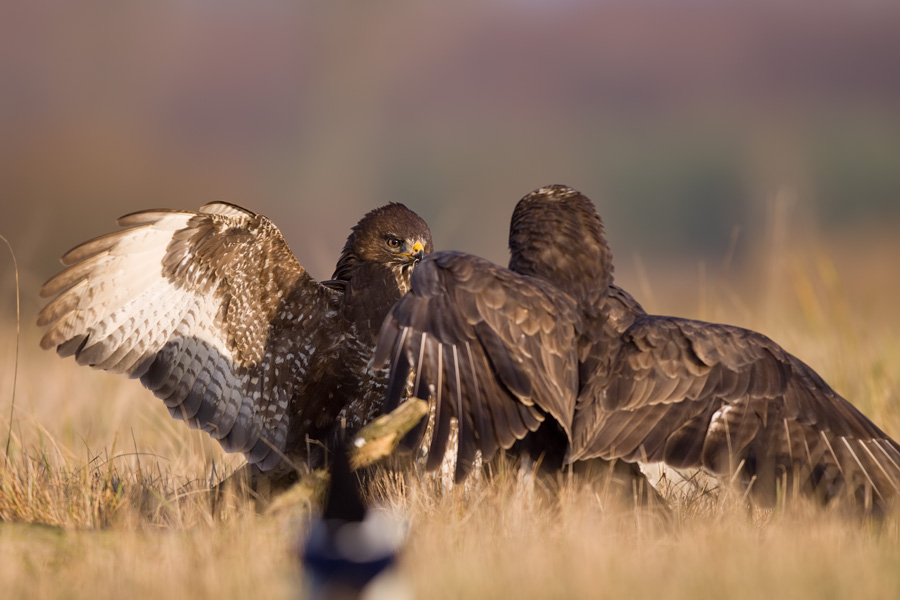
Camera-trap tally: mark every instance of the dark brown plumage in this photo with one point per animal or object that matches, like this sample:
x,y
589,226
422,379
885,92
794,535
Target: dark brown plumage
x,y
216,316
551,357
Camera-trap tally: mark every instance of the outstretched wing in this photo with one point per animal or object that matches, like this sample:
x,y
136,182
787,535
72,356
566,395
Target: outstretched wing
x,y
695,394
495,349
203,308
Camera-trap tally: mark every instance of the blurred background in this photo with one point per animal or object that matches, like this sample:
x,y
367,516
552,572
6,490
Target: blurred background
x,y
729,146
744,154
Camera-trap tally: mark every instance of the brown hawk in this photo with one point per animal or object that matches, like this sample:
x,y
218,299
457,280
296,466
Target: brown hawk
x,y
216,316
551,357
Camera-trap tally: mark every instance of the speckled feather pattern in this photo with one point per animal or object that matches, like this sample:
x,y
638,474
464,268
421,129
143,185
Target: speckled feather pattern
x,y
215,315
552,339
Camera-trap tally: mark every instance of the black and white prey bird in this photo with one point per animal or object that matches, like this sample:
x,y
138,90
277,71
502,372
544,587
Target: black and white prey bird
x,y
352,550
550,356
216,316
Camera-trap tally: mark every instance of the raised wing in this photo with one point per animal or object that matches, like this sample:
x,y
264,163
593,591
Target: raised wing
x,y
694,394
494,349
203,308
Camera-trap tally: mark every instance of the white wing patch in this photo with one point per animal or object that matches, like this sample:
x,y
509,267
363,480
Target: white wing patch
x,y
120,310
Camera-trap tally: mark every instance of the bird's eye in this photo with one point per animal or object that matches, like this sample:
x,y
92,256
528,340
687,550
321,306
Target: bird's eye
x,y
394,242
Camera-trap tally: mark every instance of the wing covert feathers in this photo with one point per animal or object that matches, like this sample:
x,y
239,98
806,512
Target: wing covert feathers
x,y
501,351
729,400
192,304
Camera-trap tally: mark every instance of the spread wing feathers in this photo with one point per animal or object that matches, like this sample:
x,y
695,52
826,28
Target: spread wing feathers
x,y
695,394
193,305
494,349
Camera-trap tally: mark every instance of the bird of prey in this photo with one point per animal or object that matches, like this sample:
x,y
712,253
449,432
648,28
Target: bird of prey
x,y
551,356
215,315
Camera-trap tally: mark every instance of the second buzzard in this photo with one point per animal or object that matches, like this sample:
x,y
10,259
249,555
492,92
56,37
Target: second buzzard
x,y
551,356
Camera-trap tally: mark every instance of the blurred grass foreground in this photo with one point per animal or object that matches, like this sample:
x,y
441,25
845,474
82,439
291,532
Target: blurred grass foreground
x,y
744,156
102,494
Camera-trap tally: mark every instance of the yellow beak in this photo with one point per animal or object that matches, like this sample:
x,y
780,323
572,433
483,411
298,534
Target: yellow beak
x,y
417,253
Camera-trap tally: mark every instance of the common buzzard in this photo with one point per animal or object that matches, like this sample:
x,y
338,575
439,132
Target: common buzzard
x,y
549,355
216,316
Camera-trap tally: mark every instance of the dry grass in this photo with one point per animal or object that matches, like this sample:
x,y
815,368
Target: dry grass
x,y
101,494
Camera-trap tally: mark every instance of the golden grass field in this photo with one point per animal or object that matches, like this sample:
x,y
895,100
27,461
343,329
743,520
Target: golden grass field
x,y
101,492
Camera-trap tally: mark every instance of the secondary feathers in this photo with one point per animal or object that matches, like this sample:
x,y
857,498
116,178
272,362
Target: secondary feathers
x,y
215,315
551,358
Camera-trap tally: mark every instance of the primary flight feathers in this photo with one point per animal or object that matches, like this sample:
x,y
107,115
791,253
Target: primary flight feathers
x,y
215,315
552,344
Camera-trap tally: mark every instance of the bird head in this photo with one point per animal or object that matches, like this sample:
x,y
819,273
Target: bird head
x,y
392,236
557,235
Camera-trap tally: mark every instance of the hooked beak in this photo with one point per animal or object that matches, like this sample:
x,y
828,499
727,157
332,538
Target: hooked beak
x,y
417,253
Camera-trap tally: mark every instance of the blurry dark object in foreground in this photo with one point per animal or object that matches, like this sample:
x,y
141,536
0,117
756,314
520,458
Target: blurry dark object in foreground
x,y
351,549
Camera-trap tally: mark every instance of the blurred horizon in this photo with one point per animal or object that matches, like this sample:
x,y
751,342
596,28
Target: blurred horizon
x,y
711,136
743,154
